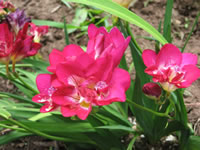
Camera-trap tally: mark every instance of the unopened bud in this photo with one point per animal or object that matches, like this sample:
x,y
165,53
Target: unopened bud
x,y
152,90
124,3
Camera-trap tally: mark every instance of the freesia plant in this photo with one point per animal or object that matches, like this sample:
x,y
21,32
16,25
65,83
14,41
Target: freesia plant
x,y
86,97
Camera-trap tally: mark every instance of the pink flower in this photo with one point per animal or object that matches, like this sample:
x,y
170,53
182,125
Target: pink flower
x,y
43,82
152,90
82,82
6,42
102,43
171,68
38,31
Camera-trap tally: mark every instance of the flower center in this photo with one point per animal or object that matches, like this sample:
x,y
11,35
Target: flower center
x,y
87,90
173,76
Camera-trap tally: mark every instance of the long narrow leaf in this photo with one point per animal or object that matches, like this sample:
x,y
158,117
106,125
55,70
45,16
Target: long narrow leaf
x,y
124,14
167,21
13,136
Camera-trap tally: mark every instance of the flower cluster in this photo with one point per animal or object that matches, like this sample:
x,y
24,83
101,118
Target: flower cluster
x,y
19,38
80,80
171,68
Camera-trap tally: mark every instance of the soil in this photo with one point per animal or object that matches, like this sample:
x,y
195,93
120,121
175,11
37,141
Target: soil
x,y
184,14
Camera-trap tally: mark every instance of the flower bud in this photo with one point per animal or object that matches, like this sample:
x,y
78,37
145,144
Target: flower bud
x,y
124,3
17,20
152,90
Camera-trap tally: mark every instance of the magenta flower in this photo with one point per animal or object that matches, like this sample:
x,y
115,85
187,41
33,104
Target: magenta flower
x,y
152,90
102,43
171,68
38,31
43,82
82,81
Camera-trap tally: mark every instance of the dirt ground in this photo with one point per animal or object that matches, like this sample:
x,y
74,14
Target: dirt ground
x,y
184,13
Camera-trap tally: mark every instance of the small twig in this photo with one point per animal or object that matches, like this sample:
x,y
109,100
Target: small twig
x,y
193,104
56,9
196,124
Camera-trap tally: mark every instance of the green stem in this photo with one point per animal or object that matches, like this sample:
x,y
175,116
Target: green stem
x,y
149,110
132,37
13,66
174,106
12,127
7,68
18,65
25,84
193,26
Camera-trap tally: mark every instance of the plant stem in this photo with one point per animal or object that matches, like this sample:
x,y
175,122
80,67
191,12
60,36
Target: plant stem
x,y
149,110
18,65
7,68
193,26
13,66
173,104
12,127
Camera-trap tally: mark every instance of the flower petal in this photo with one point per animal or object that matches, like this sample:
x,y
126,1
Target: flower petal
x,y
117,37
55,57
83,113
40,98
149,57
68,111
169,55
192,74
48,107
72,50
119,83
105,64
92,30
189,59
63,96
43,82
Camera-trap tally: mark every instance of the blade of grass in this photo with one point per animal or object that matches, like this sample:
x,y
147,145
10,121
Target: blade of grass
x,y
193,26
66,32
167,21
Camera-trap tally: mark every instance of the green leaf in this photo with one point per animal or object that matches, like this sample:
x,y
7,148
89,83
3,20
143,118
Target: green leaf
x,y
4,113
124,14
71,28
21,98
14,135
117,127
80,16
193,143
191,31
167,21
66,33
102,136
130,145
37,64
63,128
